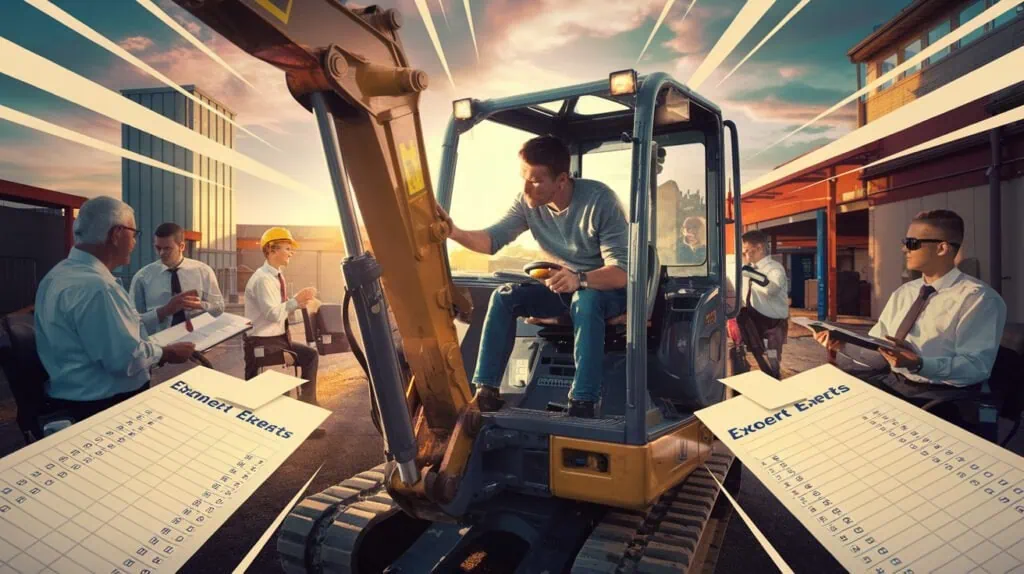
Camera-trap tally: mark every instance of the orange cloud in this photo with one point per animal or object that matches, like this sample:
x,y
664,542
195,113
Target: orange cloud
x,y
136,43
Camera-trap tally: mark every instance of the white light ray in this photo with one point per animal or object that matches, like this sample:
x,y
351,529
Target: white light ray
x,y
23,119
1007,117
657,25
255,550
748,17
472,33
975,23
443,13
78,26
778,27
990,78
163,17
32,69
421,5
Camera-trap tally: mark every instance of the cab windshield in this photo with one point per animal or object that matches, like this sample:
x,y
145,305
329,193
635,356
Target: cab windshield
x,y
487,182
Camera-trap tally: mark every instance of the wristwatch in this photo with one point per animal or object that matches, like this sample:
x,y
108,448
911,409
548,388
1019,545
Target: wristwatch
x,y
583,279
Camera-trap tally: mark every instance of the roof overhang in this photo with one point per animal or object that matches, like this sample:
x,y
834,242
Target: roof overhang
x,y
910,19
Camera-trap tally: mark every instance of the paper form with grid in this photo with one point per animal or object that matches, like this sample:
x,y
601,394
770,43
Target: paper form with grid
x,y
885,486
140,487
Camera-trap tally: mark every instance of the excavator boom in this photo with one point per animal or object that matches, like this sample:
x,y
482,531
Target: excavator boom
x,y
349,68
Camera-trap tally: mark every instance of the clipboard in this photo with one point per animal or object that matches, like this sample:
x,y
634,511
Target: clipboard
x,y
846,336
207,332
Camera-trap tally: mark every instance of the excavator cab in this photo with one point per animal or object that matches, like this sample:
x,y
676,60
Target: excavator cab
x,y
661,148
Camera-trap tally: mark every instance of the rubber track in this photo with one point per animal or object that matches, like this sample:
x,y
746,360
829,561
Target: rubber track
x,y
320,533
662,539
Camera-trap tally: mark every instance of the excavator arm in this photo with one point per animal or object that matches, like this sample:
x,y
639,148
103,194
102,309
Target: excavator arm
x,y
349,68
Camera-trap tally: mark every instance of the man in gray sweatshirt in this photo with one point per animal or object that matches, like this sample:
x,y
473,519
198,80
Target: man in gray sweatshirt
x,y
582,224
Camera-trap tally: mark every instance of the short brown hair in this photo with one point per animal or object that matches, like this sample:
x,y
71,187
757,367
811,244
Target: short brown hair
x,y
273,245
170,230
756,237
948,222
548,151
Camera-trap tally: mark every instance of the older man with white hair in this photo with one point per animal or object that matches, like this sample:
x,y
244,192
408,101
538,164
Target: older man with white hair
x,y
90,339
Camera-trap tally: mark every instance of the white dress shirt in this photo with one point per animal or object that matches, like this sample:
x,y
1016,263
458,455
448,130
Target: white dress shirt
x,y
89,338
771,300
957,334
263,305
151,289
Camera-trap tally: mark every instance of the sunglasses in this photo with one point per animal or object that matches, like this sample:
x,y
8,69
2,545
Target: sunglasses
x,y
913,243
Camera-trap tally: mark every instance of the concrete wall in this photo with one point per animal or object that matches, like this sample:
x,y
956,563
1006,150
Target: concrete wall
x,y
317,263
31,243
888,225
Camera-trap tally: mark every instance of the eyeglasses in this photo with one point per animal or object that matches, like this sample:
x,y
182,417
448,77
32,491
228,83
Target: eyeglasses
x,y
913,243
136,232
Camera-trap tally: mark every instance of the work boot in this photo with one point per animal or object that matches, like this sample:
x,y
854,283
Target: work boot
x,y
488,399
581,409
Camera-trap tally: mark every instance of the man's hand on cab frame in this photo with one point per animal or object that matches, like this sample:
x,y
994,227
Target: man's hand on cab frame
x,y
564,280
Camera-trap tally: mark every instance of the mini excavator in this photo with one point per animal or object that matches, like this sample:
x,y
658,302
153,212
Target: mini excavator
x,y
629,490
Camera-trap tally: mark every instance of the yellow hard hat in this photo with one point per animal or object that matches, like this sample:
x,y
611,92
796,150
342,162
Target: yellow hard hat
x,y
277,234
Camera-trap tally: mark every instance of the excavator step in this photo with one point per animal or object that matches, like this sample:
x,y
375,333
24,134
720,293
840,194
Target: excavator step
x,y
674,535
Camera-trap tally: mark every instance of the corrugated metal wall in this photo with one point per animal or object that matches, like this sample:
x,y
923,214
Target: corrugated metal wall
x,y
159,196
214,205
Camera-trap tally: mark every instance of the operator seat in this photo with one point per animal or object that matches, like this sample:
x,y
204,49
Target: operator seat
x,y
653,282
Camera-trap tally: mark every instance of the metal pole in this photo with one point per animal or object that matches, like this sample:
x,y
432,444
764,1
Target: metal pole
x,y
362,277
329,137
995,208
822,253
833,248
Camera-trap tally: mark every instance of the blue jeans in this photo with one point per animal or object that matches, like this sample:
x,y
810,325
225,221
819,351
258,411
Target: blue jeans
x,y
588,308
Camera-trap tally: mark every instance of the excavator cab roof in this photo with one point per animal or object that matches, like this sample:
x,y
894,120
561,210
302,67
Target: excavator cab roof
x,y
590,112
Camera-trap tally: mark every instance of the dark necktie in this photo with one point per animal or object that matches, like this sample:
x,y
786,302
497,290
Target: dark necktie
x,y
284,297
179,317
915,311
750,286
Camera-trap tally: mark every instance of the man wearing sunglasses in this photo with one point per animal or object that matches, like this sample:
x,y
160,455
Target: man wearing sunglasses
x,y
945,326
91,341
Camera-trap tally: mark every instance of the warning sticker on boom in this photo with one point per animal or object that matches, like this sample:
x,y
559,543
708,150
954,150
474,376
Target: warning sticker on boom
x,y
281,9
411,168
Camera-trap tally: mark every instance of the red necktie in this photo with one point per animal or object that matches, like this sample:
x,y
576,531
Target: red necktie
x,y
908,322
284,297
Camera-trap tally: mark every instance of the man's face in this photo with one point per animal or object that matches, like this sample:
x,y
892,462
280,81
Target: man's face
x,y
691,235
122,238
539,187
928,253
169,250
280,254
752,252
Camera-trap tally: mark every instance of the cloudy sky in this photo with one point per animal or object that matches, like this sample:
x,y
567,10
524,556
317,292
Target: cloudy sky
x,y
524,45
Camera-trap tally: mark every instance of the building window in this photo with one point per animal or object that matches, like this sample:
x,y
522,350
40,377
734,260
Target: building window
x,y
1009,15
968,14
909,51
886,66
936,34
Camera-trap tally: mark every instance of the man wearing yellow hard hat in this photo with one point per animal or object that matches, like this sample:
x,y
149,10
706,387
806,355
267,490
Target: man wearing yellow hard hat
x,y
268,305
